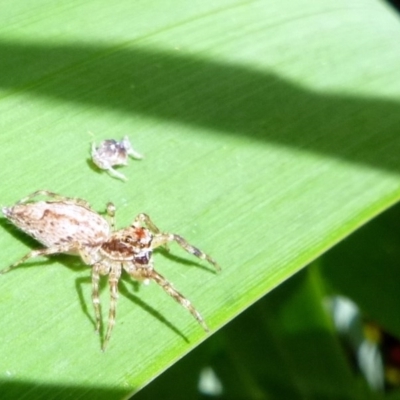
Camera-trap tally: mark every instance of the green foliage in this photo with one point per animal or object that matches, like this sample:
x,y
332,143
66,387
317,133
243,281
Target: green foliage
x,y
285,346
270,133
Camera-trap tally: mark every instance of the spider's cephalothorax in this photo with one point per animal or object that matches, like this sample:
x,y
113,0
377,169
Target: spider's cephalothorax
x,y
67,225
131,244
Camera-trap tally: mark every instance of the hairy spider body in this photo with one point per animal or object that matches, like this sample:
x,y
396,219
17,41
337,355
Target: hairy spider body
x,y
66,225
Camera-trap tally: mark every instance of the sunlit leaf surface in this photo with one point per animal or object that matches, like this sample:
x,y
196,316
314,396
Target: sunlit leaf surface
x,y
270,132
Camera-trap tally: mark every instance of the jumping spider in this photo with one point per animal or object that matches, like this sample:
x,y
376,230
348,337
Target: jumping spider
x,y
68,225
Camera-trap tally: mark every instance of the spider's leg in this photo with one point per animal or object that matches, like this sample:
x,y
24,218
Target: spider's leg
x,y
163,238
37,253
113,279
95,294
40,193
182,300
54,196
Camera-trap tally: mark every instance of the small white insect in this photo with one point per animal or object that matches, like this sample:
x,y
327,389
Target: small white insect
x,y
111,153
68,225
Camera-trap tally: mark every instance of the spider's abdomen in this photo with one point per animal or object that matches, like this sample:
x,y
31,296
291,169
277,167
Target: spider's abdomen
x,y
57,222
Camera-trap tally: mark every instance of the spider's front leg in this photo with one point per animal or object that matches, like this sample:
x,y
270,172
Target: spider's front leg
x,y
182,300
114,273
164,238
95,294
113,279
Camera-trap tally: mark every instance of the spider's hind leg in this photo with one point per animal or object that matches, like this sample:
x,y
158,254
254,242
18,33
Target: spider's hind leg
x,y
55,196
37,253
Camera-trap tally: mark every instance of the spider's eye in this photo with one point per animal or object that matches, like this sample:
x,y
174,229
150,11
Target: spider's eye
x,y
143,259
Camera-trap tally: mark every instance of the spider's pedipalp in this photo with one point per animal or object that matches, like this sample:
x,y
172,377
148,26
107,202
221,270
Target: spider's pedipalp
x,y
146,220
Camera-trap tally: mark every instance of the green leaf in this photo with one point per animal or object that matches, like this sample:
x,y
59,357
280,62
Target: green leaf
x,y
284,346
270,132
365,268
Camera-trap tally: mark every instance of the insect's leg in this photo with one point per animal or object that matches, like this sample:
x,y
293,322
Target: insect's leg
x,y
113,279
163,238
37,253
111,214
182,300
95,294
129,149
94,150
116,174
